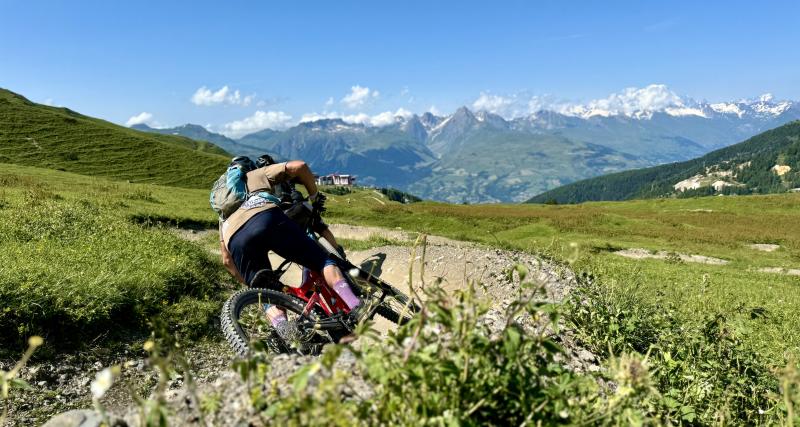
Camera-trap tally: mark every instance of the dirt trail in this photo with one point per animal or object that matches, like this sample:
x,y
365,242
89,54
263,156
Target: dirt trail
x,y
452,262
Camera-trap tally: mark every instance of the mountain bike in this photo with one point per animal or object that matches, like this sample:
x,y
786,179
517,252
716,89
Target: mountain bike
x,y
319,314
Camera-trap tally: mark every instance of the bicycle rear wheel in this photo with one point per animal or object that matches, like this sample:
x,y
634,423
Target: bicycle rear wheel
x,y
246,326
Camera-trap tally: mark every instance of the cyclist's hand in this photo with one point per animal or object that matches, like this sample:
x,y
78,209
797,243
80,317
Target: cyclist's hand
x,y
296,196
318,202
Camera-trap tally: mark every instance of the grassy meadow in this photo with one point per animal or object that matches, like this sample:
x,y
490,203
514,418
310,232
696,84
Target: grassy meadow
x,y
55,210
84,260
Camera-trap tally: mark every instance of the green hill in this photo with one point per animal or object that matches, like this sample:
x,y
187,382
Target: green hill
x,y
58,138
766,163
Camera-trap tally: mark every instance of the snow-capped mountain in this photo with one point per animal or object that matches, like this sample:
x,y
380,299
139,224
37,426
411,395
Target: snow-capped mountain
x,y
644,103
480,156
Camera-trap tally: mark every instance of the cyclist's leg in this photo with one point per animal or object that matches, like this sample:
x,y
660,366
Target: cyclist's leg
x,y
250,245
290,242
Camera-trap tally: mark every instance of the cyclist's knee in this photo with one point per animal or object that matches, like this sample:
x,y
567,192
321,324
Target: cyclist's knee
x,y
330,262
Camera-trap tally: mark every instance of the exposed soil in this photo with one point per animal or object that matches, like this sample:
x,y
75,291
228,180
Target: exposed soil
x,y
640,253
779,270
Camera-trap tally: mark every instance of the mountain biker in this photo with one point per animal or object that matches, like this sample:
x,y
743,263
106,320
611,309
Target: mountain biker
x,y
286,192
259,226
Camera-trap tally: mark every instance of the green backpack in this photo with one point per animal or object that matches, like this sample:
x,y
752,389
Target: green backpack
x,y
229,192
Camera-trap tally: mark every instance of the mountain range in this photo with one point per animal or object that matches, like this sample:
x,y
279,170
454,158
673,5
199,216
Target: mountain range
x,y
766,163
479,156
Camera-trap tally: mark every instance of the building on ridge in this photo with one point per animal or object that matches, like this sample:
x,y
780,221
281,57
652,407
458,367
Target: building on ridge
x,y
335,179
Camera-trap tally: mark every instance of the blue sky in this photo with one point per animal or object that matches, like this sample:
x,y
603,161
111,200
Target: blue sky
x,y
116,60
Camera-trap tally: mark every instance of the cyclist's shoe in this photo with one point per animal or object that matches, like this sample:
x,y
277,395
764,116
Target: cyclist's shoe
x,y
287,330
352,319
296,338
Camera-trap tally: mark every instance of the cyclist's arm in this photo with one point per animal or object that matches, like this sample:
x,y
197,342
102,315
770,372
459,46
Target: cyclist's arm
x,y
300,171
327,235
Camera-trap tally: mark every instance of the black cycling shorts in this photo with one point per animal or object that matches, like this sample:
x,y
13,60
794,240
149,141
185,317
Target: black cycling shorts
x,y
272,230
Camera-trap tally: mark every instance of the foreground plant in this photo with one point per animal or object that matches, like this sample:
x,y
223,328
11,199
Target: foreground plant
x,y
701,371
9,380
458,362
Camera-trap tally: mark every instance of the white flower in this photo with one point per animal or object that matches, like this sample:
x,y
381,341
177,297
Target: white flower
x,y
103,381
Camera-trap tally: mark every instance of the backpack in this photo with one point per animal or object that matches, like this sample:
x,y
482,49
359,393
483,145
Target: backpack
x,y
229,192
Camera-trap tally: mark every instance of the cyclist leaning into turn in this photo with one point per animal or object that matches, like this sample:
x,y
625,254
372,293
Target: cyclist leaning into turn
x,y
259,226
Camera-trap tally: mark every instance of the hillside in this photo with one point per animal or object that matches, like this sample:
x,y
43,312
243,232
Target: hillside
x,y
766,163
199,133
58,138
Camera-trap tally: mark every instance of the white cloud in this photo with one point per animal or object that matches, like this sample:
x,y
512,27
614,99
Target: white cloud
x,y
633,102
492,103
329,102
508,106
433,110
358,96
258,121
388,117
380,119
206,97
141,118
48,101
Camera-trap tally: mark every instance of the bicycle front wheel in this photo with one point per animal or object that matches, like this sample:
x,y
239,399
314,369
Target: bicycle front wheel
x,y
246,326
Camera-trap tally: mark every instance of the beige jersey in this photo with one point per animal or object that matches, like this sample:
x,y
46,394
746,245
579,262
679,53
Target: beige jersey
x,y
261,179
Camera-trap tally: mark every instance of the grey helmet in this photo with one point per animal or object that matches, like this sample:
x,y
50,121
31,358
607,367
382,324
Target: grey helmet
x,y
243,162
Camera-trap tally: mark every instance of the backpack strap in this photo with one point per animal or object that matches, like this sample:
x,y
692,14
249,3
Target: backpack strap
x,y
270,197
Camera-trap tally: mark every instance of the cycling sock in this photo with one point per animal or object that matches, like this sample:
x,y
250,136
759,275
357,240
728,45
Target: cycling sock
x,y
276,320
343,289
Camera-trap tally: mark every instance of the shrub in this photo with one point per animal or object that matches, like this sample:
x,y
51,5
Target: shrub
x,y
703,371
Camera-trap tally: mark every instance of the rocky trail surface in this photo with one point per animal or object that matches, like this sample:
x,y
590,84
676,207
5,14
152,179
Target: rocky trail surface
x,y
66,381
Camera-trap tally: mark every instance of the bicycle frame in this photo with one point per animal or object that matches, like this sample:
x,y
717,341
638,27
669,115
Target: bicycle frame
x,y
314,290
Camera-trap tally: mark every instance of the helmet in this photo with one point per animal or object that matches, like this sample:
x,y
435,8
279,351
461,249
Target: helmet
x,y
264,160
243,162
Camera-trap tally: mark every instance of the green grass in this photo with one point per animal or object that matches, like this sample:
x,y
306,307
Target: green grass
x,y
76,267
58,138
373,241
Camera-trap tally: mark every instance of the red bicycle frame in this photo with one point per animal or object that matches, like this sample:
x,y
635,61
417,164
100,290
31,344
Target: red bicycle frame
x,y
315,291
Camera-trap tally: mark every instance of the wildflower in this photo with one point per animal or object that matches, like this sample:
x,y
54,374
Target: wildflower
x,y
103,381
148,345
35,341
